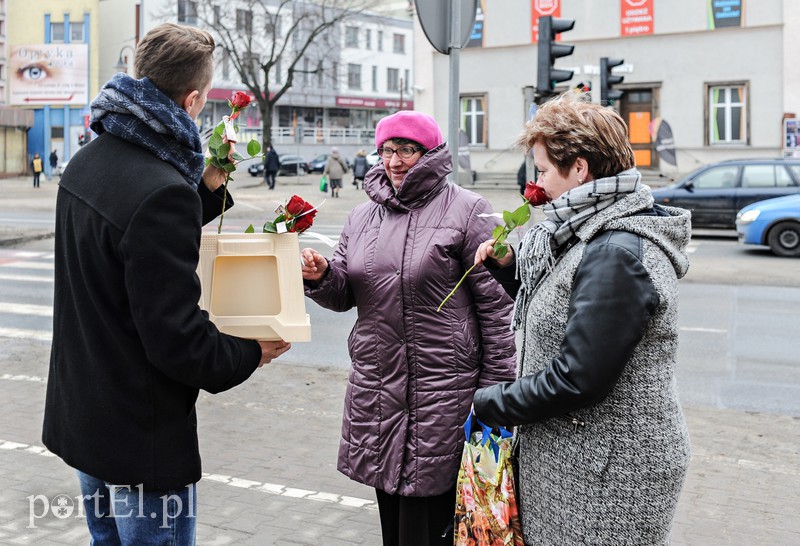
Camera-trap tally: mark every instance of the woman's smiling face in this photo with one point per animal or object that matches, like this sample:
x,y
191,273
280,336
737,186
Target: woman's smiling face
x,y
397,167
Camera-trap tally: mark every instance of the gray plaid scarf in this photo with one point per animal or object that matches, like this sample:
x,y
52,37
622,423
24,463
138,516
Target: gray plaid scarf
x,y
564,216
137,111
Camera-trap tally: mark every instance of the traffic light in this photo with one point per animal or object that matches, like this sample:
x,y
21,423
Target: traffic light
x,y
549,50
607,79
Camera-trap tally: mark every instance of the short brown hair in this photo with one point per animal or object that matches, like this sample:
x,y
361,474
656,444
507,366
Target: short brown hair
x,y
570,127
178,59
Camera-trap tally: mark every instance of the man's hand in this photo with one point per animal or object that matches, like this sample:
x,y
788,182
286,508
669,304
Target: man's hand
x,y
214,177
314,264
485,252
271,350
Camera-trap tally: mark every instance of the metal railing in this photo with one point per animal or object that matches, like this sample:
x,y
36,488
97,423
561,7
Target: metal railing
x,y
313,135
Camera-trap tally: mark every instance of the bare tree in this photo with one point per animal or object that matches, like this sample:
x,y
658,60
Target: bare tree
x,y
270,42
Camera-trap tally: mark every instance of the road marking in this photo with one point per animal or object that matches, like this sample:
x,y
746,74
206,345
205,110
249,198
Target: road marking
x,y
29,265
25,278
705,330
31,378
231,481
19,333
26,309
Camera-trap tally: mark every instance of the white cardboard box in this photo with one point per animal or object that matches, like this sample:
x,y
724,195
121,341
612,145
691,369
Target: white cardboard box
x,y
252,285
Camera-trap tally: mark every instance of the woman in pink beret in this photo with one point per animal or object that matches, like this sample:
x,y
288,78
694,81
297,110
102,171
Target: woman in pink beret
x,y
414,370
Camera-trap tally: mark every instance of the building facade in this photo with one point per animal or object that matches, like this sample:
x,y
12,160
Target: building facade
x,y
52,65
719,72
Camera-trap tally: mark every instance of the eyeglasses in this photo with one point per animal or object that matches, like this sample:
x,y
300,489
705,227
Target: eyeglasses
x,y
405,152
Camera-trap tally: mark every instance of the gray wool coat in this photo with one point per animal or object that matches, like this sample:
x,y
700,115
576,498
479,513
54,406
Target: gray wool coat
x,y
414,370
603,445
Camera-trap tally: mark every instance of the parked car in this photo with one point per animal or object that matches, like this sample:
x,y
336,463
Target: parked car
x,y
317,165
774,222
715,192
290,164
373,158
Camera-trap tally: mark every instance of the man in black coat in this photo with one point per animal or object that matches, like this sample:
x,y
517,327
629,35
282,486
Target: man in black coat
x,y
272,164
131,348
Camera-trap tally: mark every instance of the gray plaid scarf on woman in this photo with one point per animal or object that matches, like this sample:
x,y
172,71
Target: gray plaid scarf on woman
x,y
137,111
564,216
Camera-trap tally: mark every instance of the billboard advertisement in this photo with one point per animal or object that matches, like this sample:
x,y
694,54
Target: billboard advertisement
x,y
48,74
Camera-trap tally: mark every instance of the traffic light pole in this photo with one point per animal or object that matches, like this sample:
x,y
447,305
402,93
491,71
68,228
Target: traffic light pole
x,y
455,60
530,100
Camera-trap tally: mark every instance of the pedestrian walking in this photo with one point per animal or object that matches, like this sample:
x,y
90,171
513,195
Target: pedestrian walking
x,y
37,167
360,167
335,169
131,348
414,369
53,161
602,442
272,164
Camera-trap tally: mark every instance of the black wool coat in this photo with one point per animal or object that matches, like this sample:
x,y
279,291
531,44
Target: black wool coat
x,y
131,348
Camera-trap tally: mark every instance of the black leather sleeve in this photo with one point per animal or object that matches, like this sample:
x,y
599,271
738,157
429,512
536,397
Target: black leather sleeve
x,y
505,276
612,302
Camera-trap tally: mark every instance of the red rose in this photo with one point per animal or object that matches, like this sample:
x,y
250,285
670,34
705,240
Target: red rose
x,y
240,100
303,223
297,205
535,195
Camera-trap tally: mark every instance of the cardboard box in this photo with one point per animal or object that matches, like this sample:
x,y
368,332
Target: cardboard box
x,y
252,285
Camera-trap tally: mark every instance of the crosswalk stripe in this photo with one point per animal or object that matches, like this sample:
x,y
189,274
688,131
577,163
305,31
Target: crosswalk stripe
x,y
26,309
25,278
29,265
19,333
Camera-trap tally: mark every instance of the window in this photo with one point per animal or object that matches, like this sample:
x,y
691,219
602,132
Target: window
x,y
187,11
244,21
765,176
406,79
278,71
392,79
252,65
76,32
368,39
351,37
473,119
375,78
727,115
319,74
57,33
306,75
272,25
335,75
217,16
399,43
354,76
717,178
380,40
226,64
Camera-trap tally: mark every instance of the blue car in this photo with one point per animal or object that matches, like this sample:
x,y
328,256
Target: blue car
x,y
774,222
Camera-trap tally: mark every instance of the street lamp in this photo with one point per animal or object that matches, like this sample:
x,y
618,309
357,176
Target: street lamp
x,y
122,63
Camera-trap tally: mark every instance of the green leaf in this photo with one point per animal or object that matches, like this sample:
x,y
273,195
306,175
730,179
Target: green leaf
x,y
219,129
497,231
236,157
250,229
216,162
253,147
223,151
215,141
508,219
521,215
269,227
229,167
500,250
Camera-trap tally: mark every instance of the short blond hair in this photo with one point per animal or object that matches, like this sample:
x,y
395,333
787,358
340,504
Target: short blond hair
x,y
570,127
178,59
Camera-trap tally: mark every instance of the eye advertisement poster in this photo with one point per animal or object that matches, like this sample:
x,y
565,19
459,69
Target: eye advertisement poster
x,y
48,74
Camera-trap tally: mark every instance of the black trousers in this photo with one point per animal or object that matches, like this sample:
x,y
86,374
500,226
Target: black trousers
x,y
417,521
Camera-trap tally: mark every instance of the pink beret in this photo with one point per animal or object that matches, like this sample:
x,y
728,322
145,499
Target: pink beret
x,y
408,124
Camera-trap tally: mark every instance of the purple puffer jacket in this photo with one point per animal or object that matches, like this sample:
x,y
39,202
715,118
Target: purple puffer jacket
x,y
414,370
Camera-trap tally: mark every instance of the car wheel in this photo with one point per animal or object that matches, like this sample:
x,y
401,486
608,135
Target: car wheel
x,y
784,239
